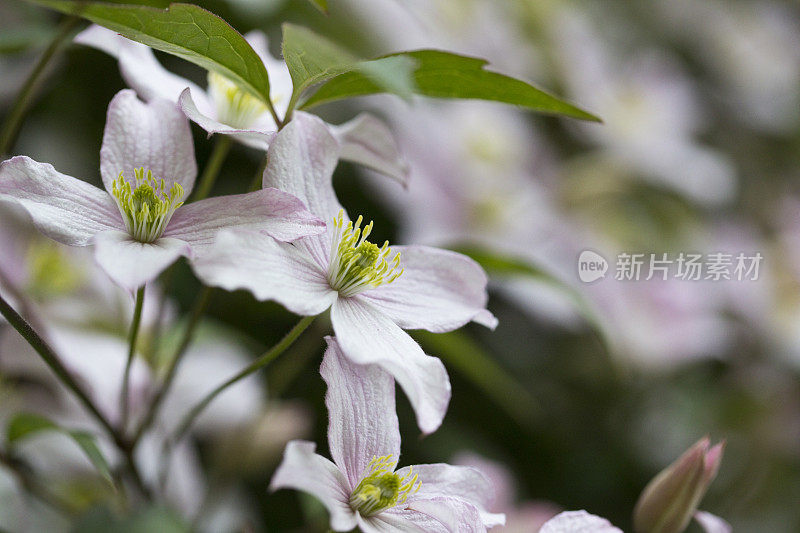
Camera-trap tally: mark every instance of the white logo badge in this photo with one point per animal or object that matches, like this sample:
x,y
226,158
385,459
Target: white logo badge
x,y
591,266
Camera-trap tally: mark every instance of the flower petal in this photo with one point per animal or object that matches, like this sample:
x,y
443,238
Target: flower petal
x,y
280,81
152,135
276,213
64,208
361,411
268,269
400,521
454,514
131,263
712,523
139,67
302,469
439,290
441,479
367,141
254,137
367,336
302,158
578,522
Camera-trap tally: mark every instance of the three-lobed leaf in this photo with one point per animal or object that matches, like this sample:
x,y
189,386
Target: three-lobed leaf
x,y
440,74
24,425
184,30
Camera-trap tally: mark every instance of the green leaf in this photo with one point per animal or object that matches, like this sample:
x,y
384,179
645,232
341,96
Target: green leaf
x,y
24,425
184,30
446,75
498,265
322,5
18,39
477,365
313,59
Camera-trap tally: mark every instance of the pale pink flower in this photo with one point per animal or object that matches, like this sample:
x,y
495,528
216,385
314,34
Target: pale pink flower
x,y
139,224
373,294
361,486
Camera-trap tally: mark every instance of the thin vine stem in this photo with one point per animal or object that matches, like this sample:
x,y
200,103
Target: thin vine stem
x,y
262,361
132,342
13,122
222,146
199,308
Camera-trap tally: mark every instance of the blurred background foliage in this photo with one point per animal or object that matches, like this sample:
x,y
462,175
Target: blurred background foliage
x,y
580,420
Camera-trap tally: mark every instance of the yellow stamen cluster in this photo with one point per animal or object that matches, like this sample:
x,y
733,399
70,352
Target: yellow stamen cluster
x,y
146,207
382,488
235,107
357,264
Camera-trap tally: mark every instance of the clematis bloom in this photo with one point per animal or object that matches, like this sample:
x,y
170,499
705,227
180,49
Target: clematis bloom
x,y
139,224
373,292
361,486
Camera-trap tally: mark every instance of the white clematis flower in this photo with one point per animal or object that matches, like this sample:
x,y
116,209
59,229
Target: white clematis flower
x,y
139,224
374,293
225,108
361,486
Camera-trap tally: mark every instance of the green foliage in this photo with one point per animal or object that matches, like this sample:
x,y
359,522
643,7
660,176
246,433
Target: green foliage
x,y
322,5
441,74
24,425
184,30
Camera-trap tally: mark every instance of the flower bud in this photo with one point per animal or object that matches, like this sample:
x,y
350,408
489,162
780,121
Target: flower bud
x,y
668,502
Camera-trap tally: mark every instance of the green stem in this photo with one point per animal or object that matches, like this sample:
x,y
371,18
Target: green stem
x,y
255,185
51,359
222,146
256,365
13,122
126,377
199,308
278,122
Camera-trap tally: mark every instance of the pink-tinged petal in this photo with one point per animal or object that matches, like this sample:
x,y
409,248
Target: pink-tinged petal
x,y
463,482
712,523
302,158
131,263
578,522
255,137
452,513
367,336
267,268
302,469
367,141
400,521
270,211
362,418
64,208
139,66
152,135
439,290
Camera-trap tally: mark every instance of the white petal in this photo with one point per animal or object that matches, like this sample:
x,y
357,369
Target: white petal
x,y
139,66
273,212
302,158
461,482
256,137
578,522
268,269
131,263
367,141
439,290
400,521
712,523
280,81
302,469
152,135
454,514
361,411
64,208
367,336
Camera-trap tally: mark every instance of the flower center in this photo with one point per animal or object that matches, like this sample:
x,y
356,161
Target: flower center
x,y
235,107
357,264
51,272
382,488
147,207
